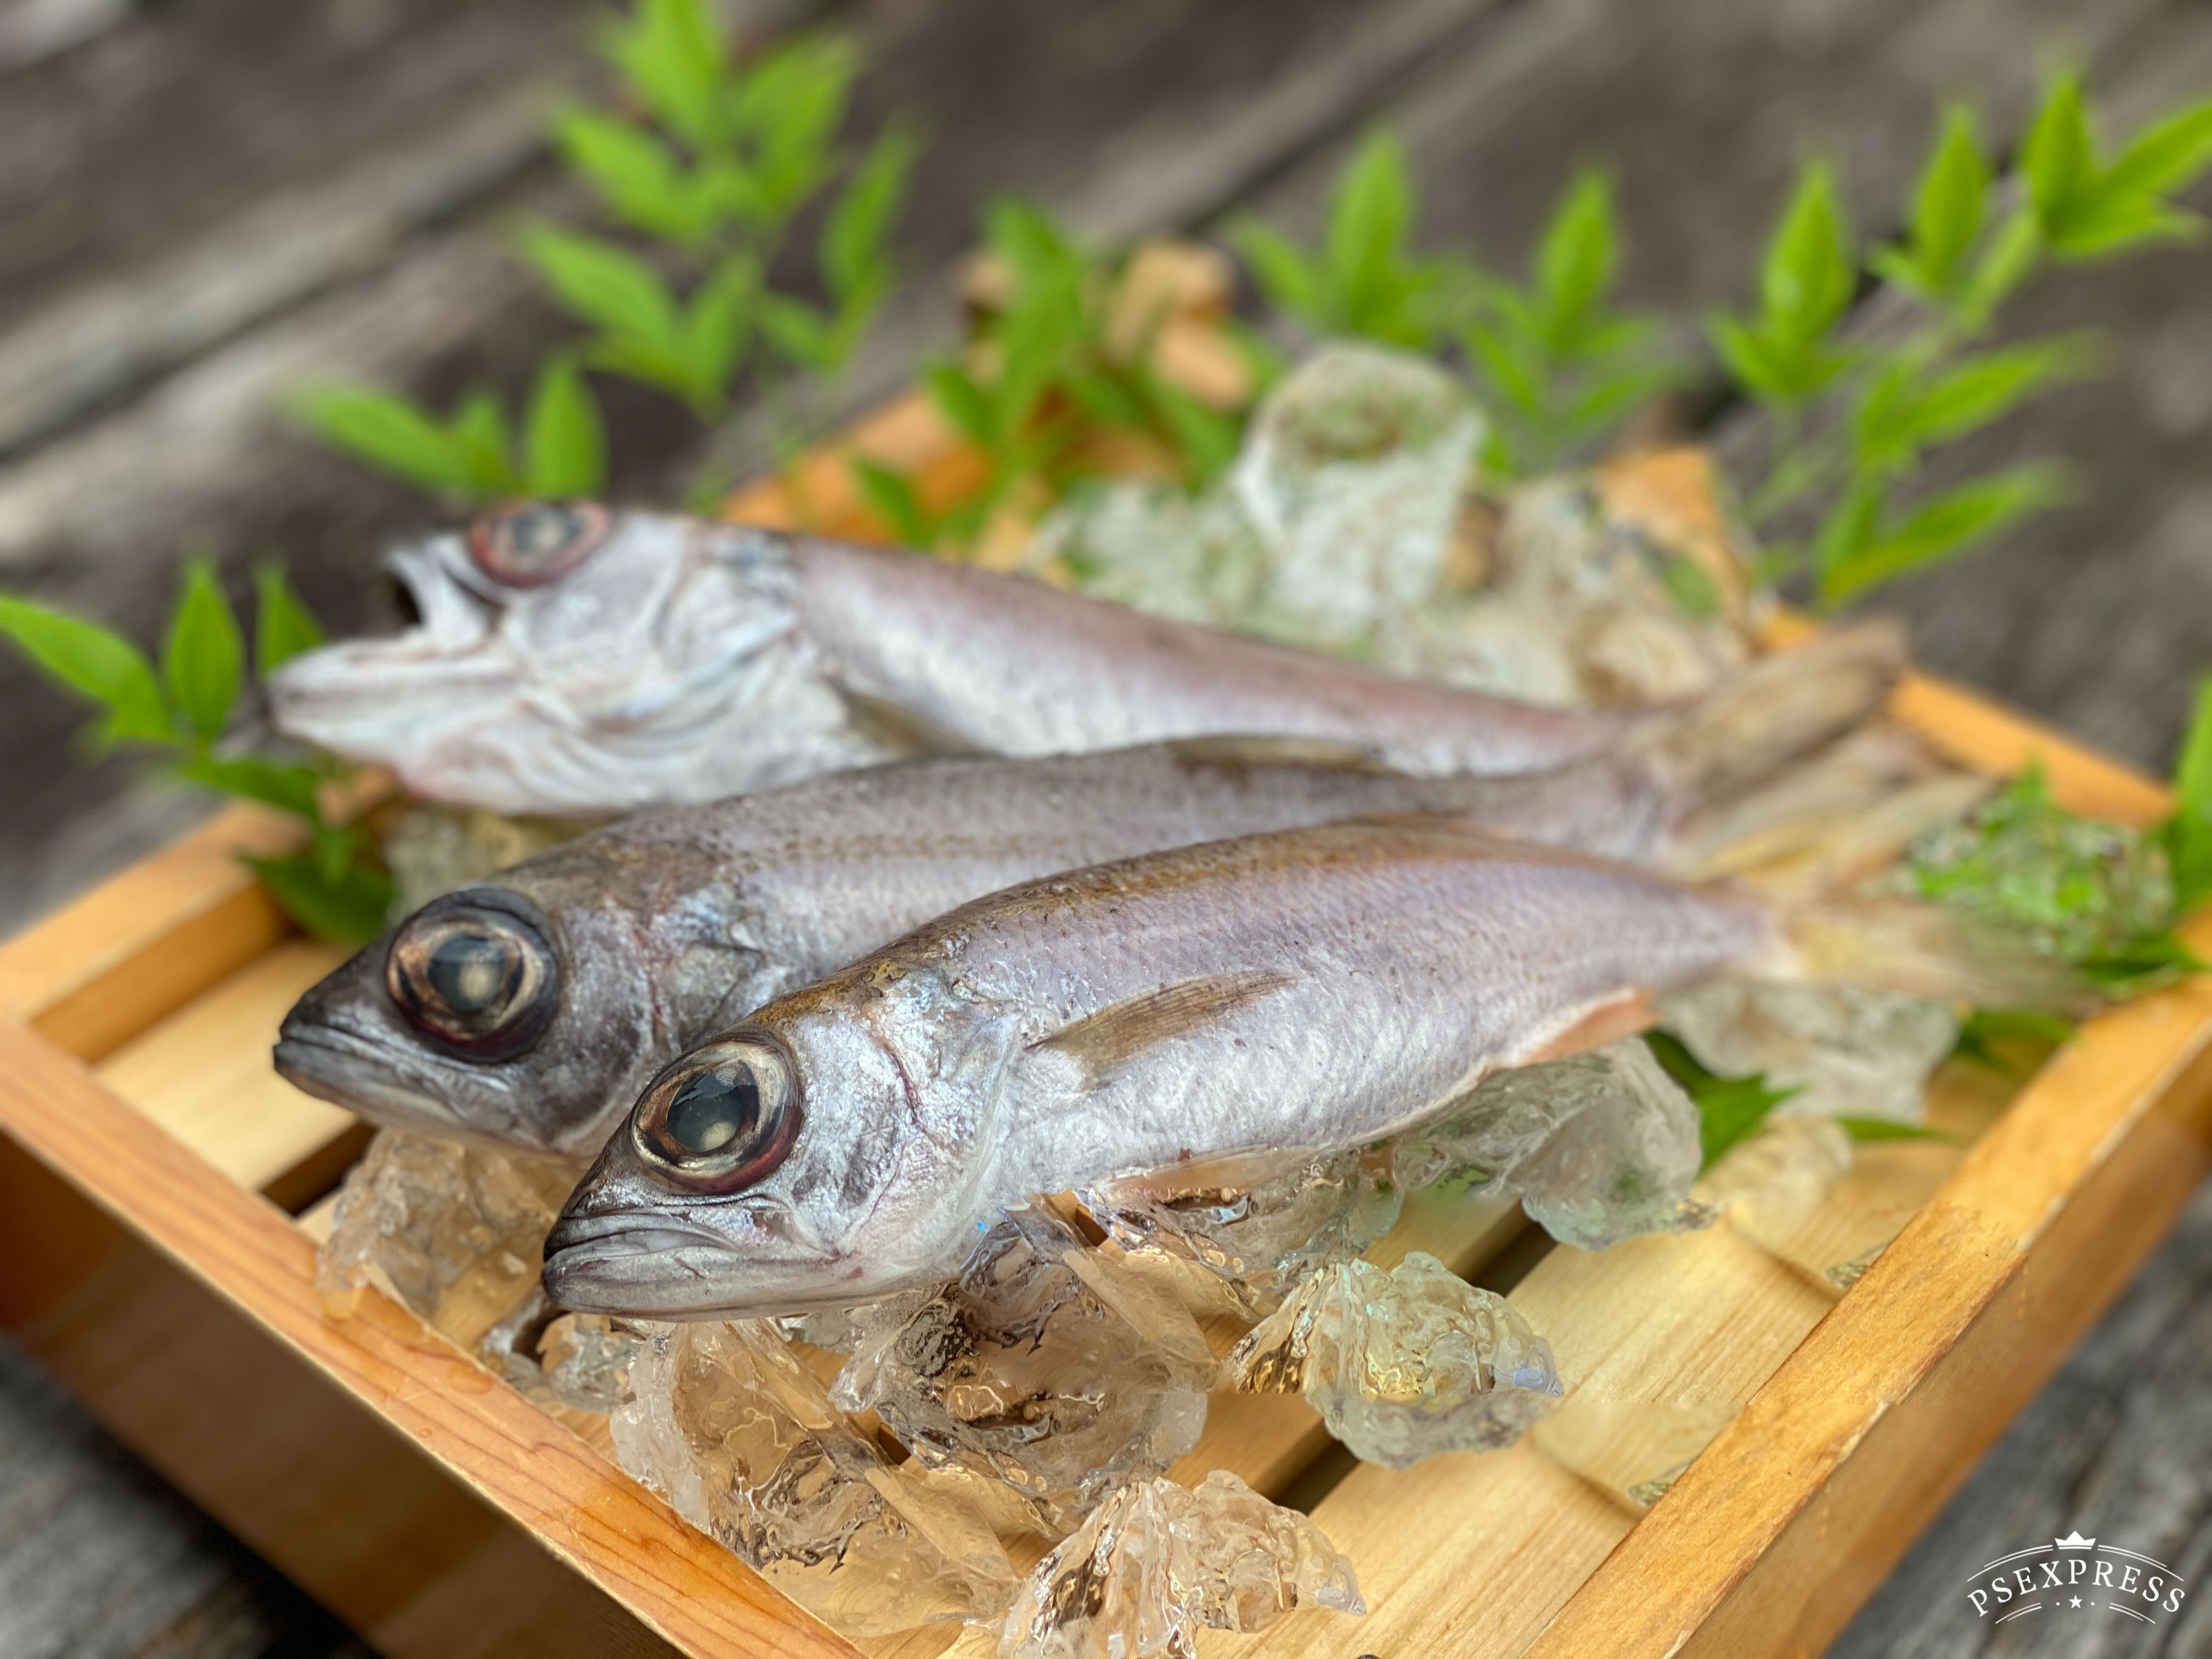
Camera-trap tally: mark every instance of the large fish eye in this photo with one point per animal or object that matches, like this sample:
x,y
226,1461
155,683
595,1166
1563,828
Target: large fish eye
x,y
722,1118
473,972
538,542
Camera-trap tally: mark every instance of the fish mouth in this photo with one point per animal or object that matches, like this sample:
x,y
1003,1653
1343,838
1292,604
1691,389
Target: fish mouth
x,y
363,1076
650,1266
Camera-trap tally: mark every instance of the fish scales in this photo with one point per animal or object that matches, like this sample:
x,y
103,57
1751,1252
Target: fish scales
x,y
1271,996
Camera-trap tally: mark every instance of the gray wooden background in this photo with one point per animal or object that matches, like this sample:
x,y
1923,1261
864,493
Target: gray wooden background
x,y
205,203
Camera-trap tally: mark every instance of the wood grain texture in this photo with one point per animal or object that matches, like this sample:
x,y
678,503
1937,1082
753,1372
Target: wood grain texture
x,y
690,1591
2118,1446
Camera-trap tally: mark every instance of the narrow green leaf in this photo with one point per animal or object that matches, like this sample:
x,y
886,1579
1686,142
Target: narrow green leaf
x,y
388,432
1881,1129
717,326
283,627
1575,260
1749,361
350,910
1806,278
97,665
2060,155
2107,223
1943,526
2166,157
1287,281
2188,834
671,53
1852,526
800,333
1970,394
892,493
964,403
1370,216
250,777
480,431
564,446
853,235
638,177
606,285
204,657
1949,205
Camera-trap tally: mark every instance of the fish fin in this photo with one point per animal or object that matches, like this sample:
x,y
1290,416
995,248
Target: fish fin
x,y
1905,945
1609,1021
1828,820
1108,1040
1782,706
1235,752
900,730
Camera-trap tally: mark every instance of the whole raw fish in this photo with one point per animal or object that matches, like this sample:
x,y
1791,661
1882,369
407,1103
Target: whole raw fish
x,y
1309,990
530,1011
571,660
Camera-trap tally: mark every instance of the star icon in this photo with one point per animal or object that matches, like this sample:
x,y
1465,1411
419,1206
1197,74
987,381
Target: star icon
x,y
2077,1601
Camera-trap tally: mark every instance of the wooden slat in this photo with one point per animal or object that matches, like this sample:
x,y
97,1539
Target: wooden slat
x,y
203,1074
1773,1536
487,1437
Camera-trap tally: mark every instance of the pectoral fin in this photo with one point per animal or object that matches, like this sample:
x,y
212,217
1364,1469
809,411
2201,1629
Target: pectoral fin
x,y
1106,1042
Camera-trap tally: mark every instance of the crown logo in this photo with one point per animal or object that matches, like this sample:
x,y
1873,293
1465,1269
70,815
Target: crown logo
x,y
2073,1541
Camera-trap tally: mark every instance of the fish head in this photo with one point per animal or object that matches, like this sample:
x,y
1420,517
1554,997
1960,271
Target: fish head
x,y
786,1166
526,1013
573,660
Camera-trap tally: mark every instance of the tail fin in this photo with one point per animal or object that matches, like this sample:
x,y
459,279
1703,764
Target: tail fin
x,y
1830,821
1779,709
1902,944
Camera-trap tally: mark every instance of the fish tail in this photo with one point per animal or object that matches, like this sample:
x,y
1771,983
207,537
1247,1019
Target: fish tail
x,y
1893,944
1781,707
1830,821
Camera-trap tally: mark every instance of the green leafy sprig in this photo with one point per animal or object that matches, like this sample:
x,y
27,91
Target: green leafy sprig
x,y
181,709
1045,378
1852,420
1729,1108
704,168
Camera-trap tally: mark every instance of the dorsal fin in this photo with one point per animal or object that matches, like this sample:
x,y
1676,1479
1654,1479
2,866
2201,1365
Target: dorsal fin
x,y
1108,1040
1318,753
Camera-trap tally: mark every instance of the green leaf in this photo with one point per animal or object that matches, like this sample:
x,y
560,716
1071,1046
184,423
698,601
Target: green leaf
x,y
250,777
1943,526
965,403
349,910
1575,260
639,177
1729,1108
800,333
716,327
2011,1041
892,494
389,433
1286,280
2166,157
2060,155
608,287
1207,439
1370,216
2109,223
564,446
283,627
1750,363
97,665
1950,202
2188,834
671,51
853,235
480,432
204,657
1851,526
1881,1129
1972,393
791,102
1806,278
2141,964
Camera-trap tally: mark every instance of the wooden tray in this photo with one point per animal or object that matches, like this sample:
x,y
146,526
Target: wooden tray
x,y
151,1168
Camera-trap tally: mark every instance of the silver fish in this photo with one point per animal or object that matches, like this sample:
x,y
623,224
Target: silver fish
x,y
574,662
1287,993
531,1010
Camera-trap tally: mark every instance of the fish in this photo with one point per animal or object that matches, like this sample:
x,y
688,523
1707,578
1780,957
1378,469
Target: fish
x,y
574,662
529,1011
1269,996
